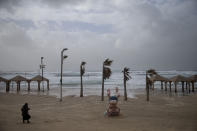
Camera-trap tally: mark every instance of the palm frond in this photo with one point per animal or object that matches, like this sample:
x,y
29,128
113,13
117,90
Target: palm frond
x,y
83,63
107,73
107,62
151,71
83,68
83,71
126,74
128,77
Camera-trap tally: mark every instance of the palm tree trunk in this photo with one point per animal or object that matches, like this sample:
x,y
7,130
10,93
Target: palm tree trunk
x,y
125,90
81,92
147,88
102,93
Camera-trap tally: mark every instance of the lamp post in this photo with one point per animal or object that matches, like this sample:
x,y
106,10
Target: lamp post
x,y
62,58
41,67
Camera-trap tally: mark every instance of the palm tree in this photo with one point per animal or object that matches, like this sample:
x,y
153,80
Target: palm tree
x,y
106,74
82,71
125,79
149,73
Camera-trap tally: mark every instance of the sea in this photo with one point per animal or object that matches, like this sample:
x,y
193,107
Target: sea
x,y
92,82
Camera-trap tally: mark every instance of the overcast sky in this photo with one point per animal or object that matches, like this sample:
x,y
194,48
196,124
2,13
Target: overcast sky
x,y
139,34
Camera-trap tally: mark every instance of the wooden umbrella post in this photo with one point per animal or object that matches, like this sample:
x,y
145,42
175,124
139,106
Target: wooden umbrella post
x,y
29,85
182,86
38,85
162,85
165,86
170,85
192,86
175,87
7,86
186,86
153,85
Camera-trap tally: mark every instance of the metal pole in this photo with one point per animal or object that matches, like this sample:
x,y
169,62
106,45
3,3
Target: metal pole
x,y
102,92
81,90
61,72
42,66
61,76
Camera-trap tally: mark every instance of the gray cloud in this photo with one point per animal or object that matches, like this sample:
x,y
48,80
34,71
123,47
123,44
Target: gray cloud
x,y
59,3
13,35
138,34
10,5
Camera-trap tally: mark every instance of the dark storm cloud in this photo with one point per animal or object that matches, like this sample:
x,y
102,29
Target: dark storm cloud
x,y
10,5
165,36
59,3
159,34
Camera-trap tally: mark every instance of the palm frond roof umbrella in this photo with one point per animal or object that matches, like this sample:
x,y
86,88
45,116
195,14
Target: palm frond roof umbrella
x,y
3,79
18,78
39,78
180,78
158,77
193,78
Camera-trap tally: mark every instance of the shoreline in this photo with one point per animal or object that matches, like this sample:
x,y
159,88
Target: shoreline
x,y
74,92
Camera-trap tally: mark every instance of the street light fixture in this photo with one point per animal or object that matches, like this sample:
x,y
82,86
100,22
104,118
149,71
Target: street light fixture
x,y
62,58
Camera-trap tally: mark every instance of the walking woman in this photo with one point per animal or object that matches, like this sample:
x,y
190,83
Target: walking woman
x,y
25,113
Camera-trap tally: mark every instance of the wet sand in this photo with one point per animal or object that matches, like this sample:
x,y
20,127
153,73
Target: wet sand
x,y
162,113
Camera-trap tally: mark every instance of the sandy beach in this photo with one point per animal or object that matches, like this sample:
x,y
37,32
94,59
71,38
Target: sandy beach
x,y
87,114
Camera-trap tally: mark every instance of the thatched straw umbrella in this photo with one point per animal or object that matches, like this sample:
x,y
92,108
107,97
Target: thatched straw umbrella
x,y
157,77
18,80
182,79
7,83
193,80
39,78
